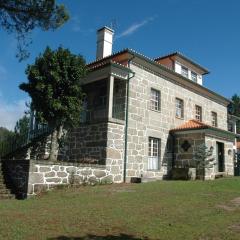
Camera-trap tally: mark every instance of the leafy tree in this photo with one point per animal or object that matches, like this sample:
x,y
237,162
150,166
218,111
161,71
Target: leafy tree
x,y
236,109
5,134
22,126
54,84
203,159
21,17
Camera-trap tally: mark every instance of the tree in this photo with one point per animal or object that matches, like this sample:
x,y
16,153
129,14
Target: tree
x,y
203,159
21,129
21,17
5,134
54,85
235,108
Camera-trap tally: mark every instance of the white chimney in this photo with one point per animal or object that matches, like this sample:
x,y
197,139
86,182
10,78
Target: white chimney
x,y
104,42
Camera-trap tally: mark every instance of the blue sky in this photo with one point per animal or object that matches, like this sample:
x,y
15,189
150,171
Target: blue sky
x,y
206,31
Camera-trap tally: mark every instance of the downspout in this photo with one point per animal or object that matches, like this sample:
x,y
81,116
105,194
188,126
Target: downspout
x,y
126,124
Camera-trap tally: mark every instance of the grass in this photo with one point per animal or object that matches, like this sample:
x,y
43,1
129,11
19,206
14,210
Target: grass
x,y
169,210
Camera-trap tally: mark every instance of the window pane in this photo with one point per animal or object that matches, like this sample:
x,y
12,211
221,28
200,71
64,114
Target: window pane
x,y
153,153
155,100
179,108
214,119
194,76
198,113
184,71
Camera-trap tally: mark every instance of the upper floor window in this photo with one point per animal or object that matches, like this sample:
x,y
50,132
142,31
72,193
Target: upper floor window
x,y
155,100
179,108
198,113
184,71
153,153
194,76
214,119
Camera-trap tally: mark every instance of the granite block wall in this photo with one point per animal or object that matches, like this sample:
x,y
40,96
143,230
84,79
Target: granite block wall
x,y
145,123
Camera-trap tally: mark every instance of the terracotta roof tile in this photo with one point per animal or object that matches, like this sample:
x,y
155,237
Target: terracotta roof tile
x,y
191,124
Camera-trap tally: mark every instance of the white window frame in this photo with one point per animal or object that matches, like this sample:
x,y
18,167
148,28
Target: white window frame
x,y
198,113
214,119
155,99
179,105
153,153
184,71
194,79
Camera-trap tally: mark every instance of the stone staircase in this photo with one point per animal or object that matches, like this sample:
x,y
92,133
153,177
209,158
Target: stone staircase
x,y
5,193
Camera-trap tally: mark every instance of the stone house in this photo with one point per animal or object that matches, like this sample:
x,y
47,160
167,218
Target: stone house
x,y
142,118
145,116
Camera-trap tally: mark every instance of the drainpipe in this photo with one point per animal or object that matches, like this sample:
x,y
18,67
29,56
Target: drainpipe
x,y
126,124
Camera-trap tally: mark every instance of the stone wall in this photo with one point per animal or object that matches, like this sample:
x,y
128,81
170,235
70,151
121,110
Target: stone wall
x,y
185,146
115,150
31,177
46,175
145,123
86,144
228,154
184,158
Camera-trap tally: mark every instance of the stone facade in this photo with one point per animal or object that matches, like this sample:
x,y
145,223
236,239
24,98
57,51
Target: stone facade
x,y
145,123
193,139
100,140
86,144
103,142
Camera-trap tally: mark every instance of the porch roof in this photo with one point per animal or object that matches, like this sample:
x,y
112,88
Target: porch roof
x,y
193,125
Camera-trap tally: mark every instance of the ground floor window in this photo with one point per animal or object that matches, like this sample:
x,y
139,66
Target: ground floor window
x,y
153,153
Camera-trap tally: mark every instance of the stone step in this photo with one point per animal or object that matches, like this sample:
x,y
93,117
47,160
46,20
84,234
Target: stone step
x,y
146,180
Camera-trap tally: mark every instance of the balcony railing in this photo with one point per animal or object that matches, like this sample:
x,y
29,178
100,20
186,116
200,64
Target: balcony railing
x,y
19,141
92,115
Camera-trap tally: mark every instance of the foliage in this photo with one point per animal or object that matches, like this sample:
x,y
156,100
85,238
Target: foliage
x,y
22,126
21,17
236,109
203,159
54,85
5,134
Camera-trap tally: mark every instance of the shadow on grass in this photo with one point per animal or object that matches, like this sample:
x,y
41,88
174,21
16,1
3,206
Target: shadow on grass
x,y
94,237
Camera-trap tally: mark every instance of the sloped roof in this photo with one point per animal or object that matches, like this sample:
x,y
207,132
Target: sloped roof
x,y
124,56
191,125
206,71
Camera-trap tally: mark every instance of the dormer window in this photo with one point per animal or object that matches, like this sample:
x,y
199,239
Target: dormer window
x,y
194,76
184,71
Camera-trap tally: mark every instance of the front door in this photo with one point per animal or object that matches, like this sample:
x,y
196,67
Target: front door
x,y
220,156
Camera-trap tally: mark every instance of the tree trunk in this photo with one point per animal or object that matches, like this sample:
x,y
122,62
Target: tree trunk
x,y
56,135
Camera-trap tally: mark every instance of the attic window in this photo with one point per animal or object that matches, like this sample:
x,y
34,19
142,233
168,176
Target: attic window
x,y
184,71
194,76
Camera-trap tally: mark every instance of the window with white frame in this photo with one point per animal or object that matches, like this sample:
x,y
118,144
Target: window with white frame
x,y
153,153
214,119
155,100
198,113
194,76
184,71
179,108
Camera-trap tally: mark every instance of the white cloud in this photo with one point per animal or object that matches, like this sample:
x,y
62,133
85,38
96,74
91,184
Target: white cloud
x,y
134,27
11,112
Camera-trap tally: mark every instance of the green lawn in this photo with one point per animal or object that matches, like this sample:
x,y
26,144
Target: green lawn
x,y
158,210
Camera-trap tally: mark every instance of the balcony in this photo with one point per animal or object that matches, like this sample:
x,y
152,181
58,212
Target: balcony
x,y
105,100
